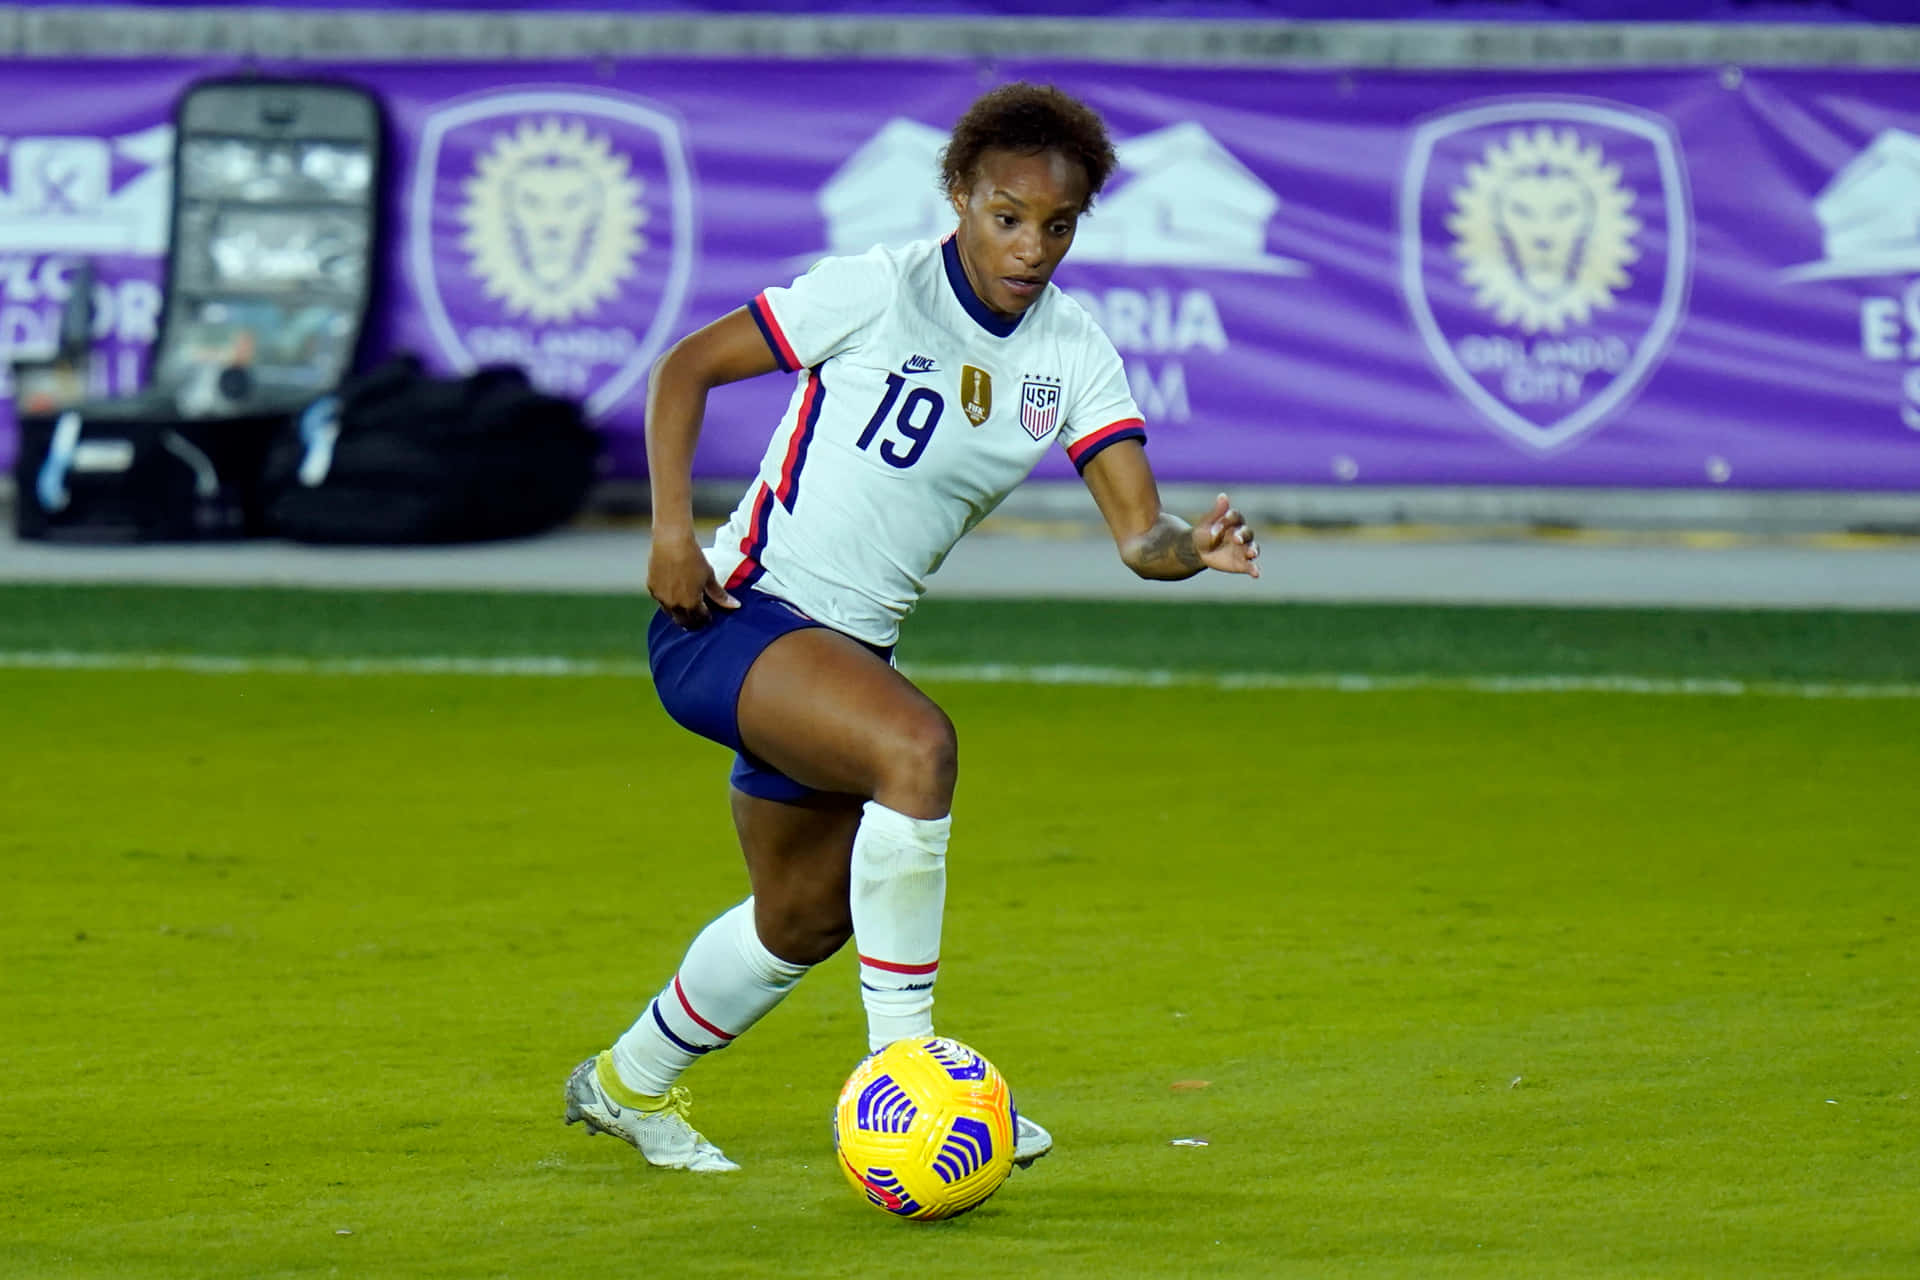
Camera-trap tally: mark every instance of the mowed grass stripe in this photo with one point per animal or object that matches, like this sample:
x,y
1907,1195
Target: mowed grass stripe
x,y
979,673
1335,641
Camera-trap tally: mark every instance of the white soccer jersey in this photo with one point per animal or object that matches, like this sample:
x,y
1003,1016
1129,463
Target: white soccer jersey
x,y
918,409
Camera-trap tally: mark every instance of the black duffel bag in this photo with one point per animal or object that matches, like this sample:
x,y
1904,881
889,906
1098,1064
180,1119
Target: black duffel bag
x,y
399,456
136,470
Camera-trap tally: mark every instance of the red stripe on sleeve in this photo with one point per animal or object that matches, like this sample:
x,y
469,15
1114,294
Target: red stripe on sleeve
x,y
1093,440
774,334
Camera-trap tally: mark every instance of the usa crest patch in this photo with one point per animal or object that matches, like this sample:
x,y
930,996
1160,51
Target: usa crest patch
x,y
1039,406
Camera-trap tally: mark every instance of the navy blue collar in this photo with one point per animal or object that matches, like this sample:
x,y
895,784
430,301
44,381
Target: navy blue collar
x,y
986,317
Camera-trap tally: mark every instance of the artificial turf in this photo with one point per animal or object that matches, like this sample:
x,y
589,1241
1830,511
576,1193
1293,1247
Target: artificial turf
x,y
1451,983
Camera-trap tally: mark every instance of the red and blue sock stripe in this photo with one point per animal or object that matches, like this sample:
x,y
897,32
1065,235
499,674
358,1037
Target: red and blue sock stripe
x,y
905,972
686,1006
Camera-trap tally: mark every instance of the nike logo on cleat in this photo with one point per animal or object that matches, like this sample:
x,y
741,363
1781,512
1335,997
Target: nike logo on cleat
x,y
919,364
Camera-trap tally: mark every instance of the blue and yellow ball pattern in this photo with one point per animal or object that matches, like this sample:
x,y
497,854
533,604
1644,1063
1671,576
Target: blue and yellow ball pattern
x,y
925,1129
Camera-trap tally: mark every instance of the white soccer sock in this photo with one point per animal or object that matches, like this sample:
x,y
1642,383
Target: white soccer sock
x,y
899,892
727,982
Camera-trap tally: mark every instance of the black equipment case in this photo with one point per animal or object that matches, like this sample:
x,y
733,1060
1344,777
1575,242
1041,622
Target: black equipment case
x,y
270,276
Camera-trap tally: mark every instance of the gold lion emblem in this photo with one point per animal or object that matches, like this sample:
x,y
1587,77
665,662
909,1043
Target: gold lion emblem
x,y
1542,230
552,220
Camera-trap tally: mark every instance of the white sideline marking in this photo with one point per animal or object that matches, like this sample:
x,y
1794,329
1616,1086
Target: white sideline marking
x,y
993,673
208,664
970,673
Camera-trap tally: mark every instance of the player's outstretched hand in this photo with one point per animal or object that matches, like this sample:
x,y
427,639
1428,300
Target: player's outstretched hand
x,y
679,577
1225,541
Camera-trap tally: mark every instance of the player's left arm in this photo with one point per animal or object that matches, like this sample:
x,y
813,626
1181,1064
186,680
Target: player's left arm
x,y
1153,542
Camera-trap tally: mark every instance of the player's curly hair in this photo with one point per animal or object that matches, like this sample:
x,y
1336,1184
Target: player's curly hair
x,y
1028,118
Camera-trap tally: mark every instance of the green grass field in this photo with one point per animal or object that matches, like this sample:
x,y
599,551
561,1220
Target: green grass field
x,y
293,963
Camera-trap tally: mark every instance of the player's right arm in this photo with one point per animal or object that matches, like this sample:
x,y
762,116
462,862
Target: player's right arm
x,y
728,350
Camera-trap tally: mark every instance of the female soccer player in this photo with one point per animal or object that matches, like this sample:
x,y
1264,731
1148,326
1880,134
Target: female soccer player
x,y
930,380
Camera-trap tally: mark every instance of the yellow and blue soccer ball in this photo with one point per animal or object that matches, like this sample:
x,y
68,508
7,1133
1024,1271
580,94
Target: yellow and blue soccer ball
x,y
925,1129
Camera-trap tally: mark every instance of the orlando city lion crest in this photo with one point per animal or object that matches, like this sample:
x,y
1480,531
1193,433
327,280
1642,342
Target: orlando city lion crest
x,y
1545,255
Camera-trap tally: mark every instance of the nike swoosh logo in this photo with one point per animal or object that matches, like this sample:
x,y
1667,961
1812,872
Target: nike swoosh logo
x,y
919,364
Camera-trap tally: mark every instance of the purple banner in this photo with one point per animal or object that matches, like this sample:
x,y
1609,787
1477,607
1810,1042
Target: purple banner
x,y
1719,11
84,175
1651,279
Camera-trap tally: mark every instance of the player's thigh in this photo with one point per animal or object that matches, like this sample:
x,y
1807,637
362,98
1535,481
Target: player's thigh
x,y
799,862
830,714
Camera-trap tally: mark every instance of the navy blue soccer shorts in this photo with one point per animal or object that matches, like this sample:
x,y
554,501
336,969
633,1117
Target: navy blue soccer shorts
x,y
698,675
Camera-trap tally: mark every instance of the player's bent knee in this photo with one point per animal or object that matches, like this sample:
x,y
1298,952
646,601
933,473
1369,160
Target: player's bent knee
x,y
922,762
